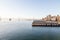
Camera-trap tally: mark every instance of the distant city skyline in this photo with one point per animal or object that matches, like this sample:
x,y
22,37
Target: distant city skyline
x,y
29,8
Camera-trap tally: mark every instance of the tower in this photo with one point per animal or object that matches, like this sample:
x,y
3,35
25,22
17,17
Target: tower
x,y
49,18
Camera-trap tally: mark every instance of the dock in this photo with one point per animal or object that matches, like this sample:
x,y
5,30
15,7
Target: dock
x,y
45,24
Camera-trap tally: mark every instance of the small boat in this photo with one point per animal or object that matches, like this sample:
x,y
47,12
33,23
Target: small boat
x,y
10,19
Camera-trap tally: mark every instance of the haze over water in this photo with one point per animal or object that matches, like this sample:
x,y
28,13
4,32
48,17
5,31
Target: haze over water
x,y
30,9
23,30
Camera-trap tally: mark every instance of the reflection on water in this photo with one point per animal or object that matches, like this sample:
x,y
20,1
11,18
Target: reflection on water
x,y
46,33
23,30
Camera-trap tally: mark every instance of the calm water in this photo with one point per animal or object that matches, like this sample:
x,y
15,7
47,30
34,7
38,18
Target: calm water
x,y
23,30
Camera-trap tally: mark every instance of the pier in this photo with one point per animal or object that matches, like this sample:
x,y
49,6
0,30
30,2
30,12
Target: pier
x,y
49,21
45,24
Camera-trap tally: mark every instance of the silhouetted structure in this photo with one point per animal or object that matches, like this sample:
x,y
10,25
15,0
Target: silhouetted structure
x,y
10,19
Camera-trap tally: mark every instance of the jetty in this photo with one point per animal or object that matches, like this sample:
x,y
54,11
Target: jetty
x,y
50,21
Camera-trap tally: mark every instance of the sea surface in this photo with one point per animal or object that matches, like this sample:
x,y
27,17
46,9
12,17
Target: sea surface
x,y
23,30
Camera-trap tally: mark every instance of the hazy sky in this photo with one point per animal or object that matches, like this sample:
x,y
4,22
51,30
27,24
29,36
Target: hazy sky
x,y
29,8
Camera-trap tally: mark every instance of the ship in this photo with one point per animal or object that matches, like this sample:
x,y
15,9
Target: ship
x,y
48,21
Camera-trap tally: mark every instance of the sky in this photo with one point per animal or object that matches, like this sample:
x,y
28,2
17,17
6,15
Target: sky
x,y
29,8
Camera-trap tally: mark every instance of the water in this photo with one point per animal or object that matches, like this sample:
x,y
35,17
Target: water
x,y
23,30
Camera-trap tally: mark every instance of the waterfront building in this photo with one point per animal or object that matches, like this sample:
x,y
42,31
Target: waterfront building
x,y
58,19
52,18
49,18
